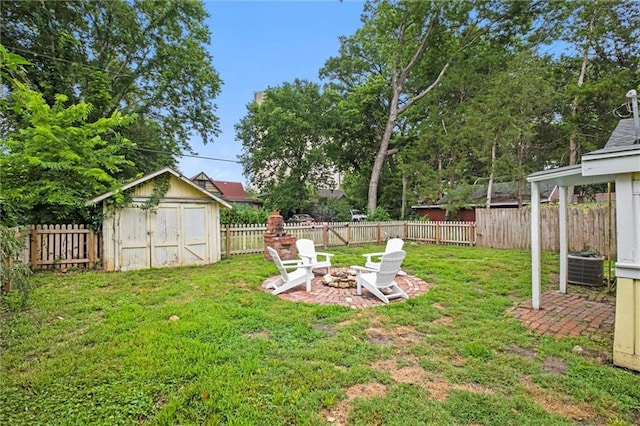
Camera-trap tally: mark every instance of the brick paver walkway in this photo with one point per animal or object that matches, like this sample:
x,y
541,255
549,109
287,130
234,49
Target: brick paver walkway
x,y
562,315
326,295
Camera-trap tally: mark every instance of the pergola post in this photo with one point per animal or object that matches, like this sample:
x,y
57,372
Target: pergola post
x,y
535,245
564,235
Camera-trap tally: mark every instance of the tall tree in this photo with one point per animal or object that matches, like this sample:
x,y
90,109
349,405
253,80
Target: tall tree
x,y
599,65
403,50
284,140
145,57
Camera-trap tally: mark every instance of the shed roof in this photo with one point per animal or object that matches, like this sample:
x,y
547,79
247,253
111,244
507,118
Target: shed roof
x,y
155,174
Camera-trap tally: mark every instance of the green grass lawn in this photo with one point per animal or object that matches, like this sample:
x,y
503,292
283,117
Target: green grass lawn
x,y
99,348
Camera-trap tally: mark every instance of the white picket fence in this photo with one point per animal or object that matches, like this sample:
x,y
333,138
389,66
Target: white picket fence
x,y
241,239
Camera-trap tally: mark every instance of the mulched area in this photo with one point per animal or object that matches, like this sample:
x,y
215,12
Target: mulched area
x,y
325,295
570,315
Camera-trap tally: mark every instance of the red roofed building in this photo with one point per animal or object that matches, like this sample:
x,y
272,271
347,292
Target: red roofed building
x,y
231,192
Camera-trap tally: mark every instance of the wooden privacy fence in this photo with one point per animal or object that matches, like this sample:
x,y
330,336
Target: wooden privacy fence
x,y
63,246
587,228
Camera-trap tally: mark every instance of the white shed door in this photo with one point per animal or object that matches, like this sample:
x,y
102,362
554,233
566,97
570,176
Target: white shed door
x,y
196,245
165,236
133,229
170,235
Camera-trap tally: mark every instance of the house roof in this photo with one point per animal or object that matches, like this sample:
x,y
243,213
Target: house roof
x,y
622,138
152,175
331,193
232,191
621,143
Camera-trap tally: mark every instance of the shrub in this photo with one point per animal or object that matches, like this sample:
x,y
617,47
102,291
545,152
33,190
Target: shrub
x,y
14,273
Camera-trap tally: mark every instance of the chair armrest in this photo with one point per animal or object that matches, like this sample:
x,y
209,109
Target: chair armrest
x,y
363,269
370,255
320,253
374,254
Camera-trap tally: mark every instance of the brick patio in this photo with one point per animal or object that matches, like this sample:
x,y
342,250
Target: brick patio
x,y
590,314
326,295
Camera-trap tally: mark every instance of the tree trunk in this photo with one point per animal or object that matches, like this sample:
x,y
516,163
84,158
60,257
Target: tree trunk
x,y
575,111
382,151
405,184
494,147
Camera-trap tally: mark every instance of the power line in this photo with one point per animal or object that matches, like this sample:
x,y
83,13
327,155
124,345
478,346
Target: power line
x,y
19,49
189,155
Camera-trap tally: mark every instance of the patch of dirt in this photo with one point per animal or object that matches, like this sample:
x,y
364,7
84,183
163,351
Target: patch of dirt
x,y
554,365
438,306
329,330
403,336
559,404
523,352
444,320
373,318
437,386
339,414
258,335
599,357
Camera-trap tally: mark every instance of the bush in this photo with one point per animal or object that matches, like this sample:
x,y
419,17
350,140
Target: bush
x,y
14,273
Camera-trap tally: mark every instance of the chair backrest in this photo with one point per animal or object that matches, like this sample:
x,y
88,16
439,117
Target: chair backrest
x,y
278,262
394,244
389,267
307,249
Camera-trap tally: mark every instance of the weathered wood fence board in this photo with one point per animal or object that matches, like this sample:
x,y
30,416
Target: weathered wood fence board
x,y
587,228
66,246
63,246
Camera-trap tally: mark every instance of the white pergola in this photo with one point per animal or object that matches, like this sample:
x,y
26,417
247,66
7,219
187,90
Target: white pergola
x,y
563,177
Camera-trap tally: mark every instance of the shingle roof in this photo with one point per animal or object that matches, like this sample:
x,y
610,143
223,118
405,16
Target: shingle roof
x,y
231,191
622,138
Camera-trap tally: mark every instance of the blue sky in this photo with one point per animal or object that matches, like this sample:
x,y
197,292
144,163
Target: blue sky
x,y
261,44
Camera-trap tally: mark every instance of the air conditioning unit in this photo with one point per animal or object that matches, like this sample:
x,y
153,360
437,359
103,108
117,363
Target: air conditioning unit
x,y
585,268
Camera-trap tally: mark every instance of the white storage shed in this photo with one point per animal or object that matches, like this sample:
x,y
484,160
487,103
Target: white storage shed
x,y
183,229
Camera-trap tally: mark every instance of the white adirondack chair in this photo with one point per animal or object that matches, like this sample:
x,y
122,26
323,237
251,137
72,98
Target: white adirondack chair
x,y
308,254
394,244
381,282
301,274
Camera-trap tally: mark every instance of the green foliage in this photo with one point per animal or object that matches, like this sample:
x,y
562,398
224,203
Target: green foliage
x,y
284,140
379,215
149,58
58,159
240,215
13,272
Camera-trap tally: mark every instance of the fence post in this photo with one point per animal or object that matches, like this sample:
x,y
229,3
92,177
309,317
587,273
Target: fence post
x,y
437,232
227,244
325,235
472,234
92,247
405,230
379,231
33,247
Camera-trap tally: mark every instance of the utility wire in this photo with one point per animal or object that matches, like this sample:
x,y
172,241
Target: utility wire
x,y
19,49
189,155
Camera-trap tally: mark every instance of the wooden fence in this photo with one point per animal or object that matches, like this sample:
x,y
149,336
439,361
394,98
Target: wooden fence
x,y
587,227
63,246
244,239
66,246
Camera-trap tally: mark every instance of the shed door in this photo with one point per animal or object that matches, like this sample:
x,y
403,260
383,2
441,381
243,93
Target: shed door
x,y
170,235
196,246
165,236
132,226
